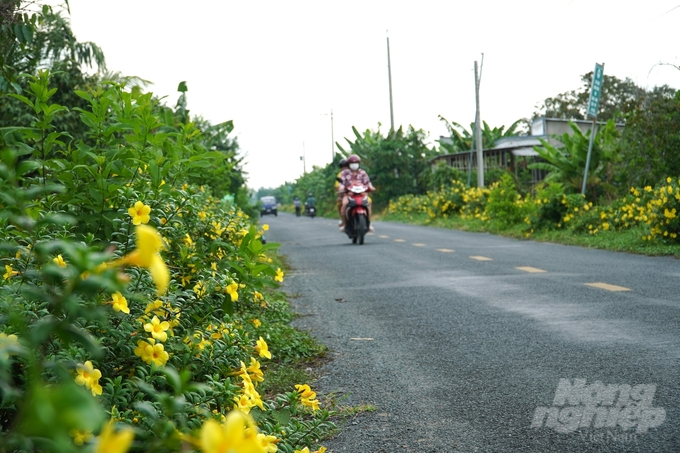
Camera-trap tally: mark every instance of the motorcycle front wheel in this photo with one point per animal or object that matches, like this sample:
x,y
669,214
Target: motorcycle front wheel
x,y
361,228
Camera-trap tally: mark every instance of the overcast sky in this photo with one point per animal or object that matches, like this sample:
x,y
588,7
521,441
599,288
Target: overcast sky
x,y
278,68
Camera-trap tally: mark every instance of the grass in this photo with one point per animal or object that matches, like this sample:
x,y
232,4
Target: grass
x,y
619,241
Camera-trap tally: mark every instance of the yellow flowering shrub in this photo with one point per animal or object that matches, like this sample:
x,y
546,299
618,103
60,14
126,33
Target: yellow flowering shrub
x,y
148,299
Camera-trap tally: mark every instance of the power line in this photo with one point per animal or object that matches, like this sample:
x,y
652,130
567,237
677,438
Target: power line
x,y
659,17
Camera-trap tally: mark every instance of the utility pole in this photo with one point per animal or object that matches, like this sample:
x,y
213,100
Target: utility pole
x,y
389,77
478,131
303,158
332,135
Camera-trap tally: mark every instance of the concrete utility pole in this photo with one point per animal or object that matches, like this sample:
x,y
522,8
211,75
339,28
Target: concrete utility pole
x,y
389,77
478,132
303,158
332,135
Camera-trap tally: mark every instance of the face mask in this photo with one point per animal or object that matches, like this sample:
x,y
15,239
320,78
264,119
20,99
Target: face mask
x,y
353,166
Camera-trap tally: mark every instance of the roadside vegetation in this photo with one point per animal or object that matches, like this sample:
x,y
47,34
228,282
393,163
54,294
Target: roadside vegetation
x,y
140,309
631,201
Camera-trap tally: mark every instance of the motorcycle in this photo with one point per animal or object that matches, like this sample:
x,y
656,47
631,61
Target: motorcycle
x,y
310,211
358,220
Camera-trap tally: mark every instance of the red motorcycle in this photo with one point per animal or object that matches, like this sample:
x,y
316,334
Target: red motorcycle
x,y
358,220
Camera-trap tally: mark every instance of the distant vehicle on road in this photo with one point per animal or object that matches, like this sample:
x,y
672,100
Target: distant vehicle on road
x,y
268,206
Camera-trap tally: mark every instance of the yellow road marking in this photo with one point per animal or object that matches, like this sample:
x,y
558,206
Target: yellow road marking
x,y
418,244
607,286
481,258
446,250
383,236
399,240
531,270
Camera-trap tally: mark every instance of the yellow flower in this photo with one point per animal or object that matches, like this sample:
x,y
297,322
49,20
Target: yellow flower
x,y
155,307
202,215
305,391
7,341
256,322
139,213
262,348
232,290
243,404
9,272
265,227
147,254
59,261
200,289
268,442
89,377
157,328
306,450
142,351
307,396
254,370
110,442
150,352
279,275
238,434
120,303
80,437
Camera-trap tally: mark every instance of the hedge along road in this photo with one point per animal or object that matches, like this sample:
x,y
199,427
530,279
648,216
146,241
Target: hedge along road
x,y
476,343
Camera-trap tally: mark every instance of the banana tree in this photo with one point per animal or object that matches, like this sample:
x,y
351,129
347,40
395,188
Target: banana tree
x,y
566,163
463,139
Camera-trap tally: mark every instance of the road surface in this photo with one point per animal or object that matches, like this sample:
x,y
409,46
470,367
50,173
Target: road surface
x,y
469,342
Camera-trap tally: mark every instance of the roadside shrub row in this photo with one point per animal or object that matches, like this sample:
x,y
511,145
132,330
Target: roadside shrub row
x,y
138,312
651,210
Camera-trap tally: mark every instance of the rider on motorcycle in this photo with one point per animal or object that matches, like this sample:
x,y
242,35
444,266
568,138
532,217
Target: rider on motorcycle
x,y
355,175
310,203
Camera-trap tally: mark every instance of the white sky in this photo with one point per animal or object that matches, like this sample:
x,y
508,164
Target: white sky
x,y
278,68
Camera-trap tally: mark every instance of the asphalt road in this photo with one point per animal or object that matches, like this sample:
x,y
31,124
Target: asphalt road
x,y
469,342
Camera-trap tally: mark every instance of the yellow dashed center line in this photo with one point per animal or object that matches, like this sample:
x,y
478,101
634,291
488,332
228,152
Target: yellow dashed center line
x,y
531,270
481,258
399,240
418,244
607,286
383,236
446,250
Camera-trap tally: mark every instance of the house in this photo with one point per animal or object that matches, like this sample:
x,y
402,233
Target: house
x,y
515,152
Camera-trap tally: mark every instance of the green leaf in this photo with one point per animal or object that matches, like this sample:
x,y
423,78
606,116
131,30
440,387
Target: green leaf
x,y
51,411
70,333
27,32
228,306
23,99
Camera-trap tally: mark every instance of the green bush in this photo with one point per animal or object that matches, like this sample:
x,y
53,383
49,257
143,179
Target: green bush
x,y
133,304
505,206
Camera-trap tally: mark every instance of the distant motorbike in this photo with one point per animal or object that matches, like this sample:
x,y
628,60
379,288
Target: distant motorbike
x,y
310,211
358,220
